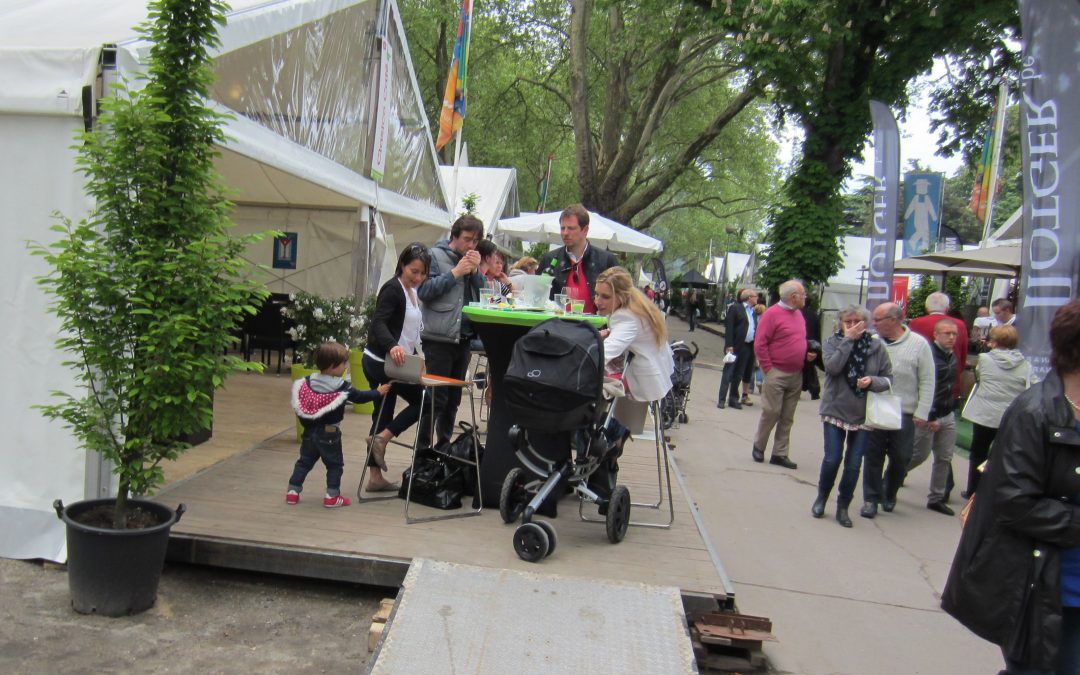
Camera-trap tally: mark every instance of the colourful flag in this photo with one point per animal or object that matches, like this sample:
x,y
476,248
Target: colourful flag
x,y
453,105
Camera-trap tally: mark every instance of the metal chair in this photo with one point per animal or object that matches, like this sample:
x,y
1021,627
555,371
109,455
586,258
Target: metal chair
x,y
428,384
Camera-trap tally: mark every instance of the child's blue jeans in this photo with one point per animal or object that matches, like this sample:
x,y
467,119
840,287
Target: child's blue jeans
x,y
320,442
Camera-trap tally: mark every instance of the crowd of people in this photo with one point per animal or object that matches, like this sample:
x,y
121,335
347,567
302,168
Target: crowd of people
x,y
1015,578
419,311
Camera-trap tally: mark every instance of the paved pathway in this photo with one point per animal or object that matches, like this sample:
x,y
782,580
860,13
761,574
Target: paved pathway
x,y
859,601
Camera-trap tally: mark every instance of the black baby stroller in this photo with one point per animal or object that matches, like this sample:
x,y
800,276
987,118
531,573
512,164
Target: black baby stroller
x,y
673,406
555,385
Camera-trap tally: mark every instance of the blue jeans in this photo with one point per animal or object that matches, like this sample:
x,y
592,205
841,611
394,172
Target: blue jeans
x,y
318,443
834,453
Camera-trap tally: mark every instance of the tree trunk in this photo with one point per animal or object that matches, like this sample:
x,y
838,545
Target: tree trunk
x,y
580,11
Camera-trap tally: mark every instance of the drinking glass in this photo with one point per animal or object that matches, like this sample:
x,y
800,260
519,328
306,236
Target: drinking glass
x,y
560,303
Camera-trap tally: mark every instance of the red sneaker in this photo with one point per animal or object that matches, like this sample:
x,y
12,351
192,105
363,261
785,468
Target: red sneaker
x,y
292,497
335,502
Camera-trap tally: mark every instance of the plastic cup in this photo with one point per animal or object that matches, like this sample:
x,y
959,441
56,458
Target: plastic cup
x,y
560,302
577,306
486,297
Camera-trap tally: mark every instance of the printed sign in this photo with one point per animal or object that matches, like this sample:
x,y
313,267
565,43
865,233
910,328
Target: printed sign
x,y
285,251
922,212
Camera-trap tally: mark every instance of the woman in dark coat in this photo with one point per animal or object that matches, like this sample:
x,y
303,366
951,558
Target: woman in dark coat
x,y
395,333
1015,579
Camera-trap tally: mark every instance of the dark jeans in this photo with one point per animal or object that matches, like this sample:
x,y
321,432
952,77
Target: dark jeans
x,y
1068,648
316,444
448,359
852,460
734,373
375,372
981,438
691,317
880,484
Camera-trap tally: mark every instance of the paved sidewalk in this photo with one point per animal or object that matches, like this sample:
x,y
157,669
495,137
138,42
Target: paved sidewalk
x,y
856,601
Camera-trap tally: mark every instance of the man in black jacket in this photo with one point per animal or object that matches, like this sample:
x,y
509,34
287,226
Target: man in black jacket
x,y
739,326
938,433
576,264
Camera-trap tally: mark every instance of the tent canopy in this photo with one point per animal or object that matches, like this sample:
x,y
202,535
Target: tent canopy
x,y
692,278
328,138
990,259
495,189
603,231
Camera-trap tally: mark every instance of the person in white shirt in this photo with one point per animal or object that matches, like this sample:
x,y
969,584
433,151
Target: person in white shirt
x,y
1003,310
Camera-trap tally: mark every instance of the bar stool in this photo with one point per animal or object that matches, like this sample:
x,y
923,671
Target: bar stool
x,y
632,415
412,373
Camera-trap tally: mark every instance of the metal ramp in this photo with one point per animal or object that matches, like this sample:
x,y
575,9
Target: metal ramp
x,y
454,618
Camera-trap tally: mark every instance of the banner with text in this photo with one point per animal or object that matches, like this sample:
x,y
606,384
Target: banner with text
x,y
922,211
1050,97
886,192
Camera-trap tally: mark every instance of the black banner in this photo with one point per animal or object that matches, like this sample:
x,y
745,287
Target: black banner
x,y
886,196
1049,98
659,274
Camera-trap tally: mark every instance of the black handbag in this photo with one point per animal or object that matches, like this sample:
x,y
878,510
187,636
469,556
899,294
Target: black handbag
x,y
441,481
438,483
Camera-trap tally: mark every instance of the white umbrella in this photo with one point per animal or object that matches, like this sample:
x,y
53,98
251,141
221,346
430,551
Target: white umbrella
x,y
603,231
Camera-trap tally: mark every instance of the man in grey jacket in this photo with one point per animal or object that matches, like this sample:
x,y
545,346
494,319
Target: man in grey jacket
x,y
453,280
913,381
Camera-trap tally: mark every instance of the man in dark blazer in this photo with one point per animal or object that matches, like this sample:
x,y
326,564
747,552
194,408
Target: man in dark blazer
x,y
576,264
739,327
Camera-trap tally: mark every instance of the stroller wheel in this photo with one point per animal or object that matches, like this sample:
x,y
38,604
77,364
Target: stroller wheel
x,y
683,418
618,514
531,542
514,496
549,530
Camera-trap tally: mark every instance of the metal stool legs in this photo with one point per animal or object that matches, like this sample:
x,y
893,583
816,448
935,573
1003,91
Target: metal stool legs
x,y
663,476
427,395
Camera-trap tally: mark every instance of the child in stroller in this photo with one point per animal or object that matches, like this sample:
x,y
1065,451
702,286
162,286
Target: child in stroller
x,y
554,389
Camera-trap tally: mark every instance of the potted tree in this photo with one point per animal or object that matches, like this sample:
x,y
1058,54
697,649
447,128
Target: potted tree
x,y
147,288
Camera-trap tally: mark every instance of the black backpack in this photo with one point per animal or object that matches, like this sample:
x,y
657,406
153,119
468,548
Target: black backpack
x,y
556,376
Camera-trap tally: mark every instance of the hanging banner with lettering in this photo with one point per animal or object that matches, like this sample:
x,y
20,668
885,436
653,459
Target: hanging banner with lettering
x,y
922,212
1050,97
886,193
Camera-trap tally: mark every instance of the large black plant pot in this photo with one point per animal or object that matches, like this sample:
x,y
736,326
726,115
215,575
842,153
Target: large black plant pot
x,y
115,572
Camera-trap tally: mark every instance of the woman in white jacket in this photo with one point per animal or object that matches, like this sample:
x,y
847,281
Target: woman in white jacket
x,y
635,326
1002,374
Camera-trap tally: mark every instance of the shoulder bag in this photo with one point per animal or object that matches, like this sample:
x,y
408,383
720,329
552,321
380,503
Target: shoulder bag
x,y
883,410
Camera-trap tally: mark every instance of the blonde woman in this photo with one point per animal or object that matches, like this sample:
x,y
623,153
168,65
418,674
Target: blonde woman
x,y
635,326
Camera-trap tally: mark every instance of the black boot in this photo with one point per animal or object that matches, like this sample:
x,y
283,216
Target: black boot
x,y
818,509
842,514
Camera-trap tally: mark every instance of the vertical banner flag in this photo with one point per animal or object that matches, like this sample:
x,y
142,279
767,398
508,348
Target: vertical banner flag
x,y
886,194
659,274
1050,130
453,104
900,290
545,183
382,113
922,211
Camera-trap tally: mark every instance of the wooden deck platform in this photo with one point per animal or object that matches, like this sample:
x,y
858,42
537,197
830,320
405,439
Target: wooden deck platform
x,y
234,488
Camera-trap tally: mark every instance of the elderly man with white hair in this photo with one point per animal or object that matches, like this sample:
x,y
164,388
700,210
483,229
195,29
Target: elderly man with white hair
x,y
781,350
937,308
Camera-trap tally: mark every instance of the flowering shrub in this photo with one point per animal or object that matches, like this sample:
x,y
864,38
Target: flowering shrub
x,y
317,320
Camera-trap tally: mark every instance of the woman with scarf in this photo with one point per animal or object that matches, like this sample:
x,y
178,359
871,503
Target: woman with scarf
x,y
855,361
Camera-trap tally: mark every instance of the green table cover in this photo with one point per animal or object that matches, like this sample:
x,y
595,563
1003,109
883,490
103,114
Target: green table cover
x,y
512,317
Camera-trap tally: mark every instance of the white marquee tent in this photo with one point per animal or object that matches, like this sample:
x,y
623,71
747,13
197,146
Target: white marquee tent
x,y
612,235
495,189
328,139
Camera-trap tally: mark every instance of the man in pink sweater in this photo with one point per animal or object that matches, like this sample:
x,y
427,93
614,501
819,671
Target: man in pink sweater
x,y
781,350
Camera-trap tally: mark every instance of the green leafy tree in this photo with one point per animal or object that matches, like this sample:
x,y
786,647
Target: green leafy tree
x,y
916,305
149,285
650,120
823,62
